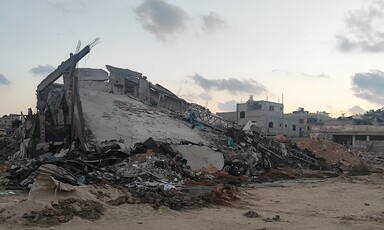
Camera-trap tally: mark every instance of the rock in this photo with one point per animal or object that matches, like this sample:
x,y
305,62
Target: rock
x,y
251,214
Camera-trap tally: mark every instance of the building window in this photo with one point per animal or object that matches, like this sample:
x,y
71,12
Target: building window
x,y
285,125
242,114
254,106
294,127
301,121
270,125
271,108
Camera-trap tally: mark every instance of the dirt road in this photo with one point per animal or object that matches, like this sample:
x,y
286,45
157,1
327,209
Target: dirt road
x,y
337,203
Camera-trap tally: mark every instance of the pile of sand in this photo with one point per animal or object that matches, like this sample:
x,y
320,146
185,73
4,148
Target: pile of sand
x,y
330,151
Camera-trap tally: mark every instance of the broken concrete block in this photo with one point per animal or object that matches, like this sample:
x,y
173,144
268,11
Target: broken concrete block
x,y
200,157
151,144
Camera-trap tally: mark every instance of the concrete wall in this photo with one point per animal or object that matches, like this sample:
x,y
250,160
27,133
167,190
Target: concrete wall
x,y
338,122
173,104
295,125
228,116
89,74
299,124
97,85
143,92
121,79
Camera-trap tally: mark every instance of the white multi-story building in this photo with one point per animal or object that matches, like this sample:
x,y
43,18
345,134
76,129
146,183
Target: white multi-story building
x,y
271,119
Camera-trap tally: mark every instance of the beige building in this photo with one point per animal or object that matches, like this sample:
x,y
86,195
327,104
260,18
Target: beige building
x,y
267,115
299,123
270,118
368,137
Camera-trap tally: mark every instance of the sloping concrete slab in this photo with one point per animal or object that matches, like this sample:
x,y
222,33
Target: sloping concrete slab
x,y
114,117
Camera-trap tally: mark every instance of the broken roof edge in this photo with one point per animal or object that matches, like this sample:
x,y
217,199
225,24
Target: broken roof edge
x,y
162,89
122,71
92,74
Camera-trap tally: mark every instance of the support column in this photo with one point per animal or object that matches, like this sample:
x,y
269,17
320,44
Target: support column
x,y
42,127
353,140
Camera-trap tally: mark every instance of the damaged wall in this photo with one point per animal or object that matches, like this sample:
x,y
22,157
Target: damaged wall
x,y
126,81
94,79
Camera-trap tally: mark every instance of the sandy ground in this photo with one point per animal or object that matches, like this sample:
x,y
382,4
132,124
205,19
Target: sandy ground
x,y
337,203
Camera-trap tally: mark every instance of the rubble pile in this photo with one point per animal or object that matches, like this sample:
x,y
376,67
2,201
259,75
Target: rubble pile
x,y
254,154
344,158
331,152
8,146
372,158
123,131
157,173
165,170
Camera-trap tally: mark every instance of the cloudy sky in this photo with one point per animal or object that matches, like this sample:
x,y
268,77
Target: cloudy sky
x,y
323,55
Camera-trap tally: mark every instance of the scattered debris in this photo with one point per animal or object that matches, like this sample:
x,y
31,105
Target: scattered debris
x,y
272,219
251,214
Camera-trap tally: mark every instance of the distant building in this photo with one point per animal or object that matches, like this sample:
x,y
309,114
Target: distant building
x,y
6,120
271,119
367,137
267,115
299,123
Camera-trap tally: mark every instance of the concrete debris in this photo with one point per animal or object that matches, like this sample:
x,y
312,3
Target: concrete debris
x,y
251,214
272,219
200,157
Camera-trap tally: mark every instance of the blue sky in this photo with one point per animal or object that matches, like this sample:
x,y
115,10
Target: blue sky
x,y
323,55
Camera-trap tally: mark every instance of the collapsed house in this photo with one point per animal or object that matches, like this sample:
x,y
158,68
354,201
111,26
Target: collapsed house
x,y
93,107
121,129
